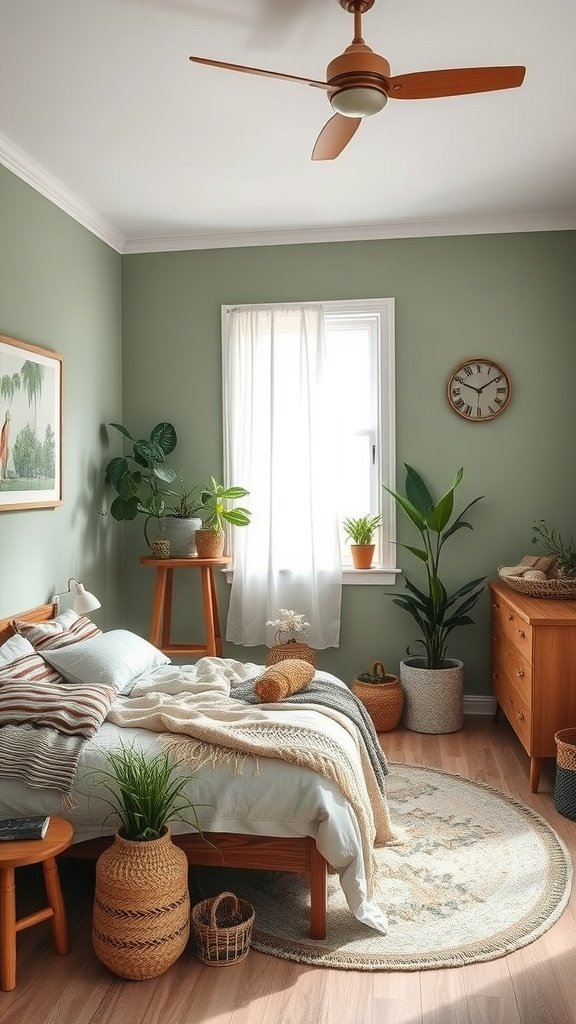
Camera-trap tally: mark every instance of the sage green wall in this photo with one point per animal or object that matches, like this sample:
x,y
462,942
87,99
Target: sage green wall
x,y
60,288
511,297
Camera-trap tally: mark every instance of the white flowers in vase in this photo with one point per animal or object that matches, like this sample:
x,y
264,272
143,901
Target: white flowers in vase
x,y
290,626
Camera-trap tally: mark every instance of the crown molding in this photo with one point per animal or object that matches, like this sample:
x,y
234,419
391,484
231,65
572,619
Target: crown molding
x,y
417,229
17,161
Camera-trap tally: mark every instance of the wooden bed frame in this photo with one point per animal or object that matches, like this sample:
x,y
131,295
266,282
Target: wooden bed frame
x,y
270,853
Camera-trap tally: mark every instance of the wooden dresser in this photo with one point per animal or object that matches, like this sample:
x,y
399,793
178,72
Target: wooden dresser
x,y
533,669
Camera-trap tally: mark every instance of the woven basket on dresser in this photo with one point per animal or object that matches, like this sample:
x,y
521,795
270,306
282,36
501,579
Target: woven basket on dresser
x,y
222,929
384,700
565,786
556,590
141,919
291,649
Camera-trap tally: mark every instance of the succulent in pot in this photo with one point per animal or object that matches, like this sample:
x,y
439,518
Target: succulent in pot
x,y
361,532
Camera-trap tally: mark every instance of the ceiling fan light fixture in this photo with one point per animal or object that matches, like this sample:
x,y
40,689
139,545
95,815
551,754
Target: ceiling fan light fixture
x,y
358,101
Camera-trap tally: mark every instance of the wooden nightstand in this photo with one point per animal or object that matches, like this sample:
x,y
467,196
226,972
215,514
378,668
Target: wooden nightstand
x,y
162,606
533,669
17,854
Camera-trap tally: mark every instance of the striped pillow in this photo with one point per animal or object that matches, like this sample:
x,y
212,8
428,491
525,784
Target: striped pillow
x,y
30,667
74,710
62,631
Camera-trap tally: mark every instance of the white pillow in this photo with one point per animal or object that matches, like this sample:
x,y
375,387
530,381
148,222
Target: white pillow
x,y
114,658
16,647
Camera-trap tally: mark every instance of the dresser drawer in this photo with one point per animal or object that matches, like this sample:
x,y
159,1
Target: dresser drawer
x,y
519,715
515,629
513,664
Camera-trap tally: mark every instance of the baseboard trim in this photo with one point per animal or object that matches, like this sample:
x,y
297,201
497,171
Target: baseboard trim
x,y
475,704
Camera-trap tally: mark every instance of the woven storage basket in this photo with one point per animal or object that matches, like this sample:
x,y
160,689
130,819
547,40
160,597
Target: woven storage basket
x,y
555,590
222,929
384,701
565,786
291,649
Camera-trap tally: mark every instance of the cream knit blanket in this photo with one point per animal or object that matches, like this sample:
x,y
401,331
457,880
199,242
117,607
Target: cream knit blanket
x,y
194,703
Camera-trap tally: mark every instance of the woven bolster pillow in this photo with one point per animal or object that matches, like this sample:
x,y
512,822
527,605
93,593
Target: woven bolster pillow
x,y
282,679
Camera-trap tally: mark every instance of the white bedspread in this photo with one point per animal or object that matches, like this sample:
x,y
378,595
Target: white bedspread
x,y
270,797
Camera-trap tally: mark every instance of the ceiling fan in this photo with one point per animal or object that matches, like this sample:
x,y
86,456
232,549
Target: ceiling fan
x,y
359,84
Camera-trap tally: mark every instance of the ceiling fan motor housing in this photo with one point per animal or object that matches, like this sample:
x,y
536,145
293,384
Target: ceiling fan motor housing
x,y
357,80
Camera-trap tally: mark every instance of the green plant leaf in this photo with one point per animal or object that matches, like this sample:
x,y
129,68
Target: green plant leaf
x,y
236,516
417,491
465,589
439,514
129,485
123,510
114,470
164,473
457,478
164,435
407,506
234,492
419,552
457,524
118,426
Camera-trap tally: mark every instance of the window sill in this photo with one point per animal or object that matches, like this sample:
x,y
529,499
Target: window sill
x,y
378,576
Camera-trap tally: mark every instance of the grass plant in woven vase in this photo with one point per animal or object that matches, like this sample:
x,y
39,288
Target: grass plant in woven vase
x,y
382,696
434,684
361,531
216,513
141,917
291,630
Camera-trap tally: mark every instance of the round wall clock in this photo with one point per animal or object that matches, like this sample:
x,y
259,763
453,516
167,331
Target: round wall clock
x,y
478,389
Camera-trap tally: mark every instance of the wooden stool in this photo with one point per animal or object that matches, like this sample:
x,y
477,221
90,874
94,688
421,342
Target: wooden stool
x,y
15,855
162,607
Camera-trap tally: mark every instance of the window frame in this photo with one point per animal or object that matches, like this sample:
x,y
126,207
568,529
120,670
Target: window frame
x,y
384,571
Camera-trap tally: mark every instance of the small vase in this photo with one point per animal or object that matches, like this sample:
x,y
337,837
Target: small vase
x,y
141,918
161,548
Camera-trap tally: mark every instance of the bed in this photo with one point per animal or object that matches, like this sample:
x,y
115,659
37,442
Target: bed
x,y
310,815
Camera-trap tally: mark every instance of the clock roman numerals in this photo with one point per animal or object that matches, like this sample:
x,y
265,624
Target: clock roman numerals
x,y
478,389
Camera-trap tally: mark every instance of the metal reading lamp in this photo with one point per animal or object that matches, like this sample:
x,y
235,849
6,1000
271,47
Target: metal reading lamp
x,y
83,601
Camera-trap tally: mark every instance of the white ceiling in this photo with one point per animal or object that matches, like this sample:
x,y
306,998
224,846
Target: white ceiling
x,y
102,111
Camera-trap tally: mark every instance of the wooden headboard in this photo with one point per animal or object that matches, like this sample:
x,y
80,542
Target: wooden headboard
x,y
40,614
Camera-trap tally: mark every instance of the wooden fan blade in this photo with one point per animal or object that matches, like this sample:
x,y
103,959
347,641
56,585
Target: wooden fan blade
x,y
259,71
334,137
453,82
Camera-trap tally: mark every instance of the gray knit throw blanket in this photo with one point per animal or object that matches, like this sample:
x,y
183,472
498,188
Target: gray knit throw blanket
x,y
321,692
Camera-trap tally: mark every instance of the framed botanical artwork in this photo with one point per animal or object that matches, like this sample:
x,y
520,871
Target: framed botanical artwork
x,y
30,426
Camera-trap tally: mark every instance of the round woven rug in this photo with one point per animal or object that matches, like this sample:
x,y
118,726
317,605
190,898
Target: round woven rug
x,y
477,875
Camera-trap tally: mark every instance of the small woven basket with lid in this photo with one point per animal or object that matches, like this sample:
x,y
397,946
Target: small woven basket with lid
x,y
222,929
383,699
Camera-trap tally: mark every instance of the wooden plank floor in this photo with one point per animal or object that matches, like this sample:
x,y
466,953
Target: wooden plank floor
x,y
535,985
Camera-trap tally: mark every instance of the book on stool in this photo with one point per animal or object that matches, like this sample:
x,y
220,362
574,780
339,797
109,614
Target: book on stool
x,y
34,826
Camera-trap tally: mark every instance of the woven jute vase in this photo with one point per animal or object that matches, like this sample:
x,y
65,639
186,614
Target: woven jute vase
x,y
291,649
209,544
434,697
383,700
141,918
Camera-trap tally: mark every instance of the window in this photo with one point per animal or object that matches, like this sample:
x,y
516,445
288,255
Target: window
x,y
358,378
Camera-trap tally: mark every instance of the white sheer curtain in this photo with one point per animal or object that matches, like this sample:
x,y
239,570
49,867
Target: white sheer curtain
x,y
279,444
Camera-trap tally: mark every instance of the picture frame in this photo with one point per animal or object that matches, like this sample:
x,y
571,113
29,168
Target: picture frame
x,y
30,426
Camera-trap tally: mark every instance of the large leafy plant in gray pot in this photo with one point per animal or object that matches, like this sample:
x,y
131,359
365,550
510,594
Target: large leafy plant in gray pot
x,y
433,684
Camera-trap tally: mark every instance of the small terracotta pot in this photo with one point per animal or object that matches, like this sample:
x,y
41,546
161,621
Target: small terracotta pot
x,y
362,555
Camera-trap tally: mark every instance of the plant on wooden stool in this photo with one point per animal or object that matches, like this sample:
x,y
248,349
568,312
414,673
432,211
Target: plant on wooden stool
x,y
216,511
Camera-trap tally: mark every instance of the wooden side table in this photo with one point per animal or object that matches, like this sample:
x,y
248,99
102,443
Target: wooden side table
x,y
16,854
162,605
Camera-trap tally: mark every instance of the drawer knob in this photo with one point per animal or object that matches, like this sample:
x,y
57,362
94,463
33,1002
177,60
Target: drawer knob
x,y
494,675
521,673
521,634
510,699
510,617
520,716
495,605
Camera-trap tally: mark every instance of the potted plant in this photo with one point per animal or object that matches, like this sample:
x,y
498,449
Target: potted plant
x,y
181,521
141,901
433,685
361,532
140,479
216,512
564,551
382,696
